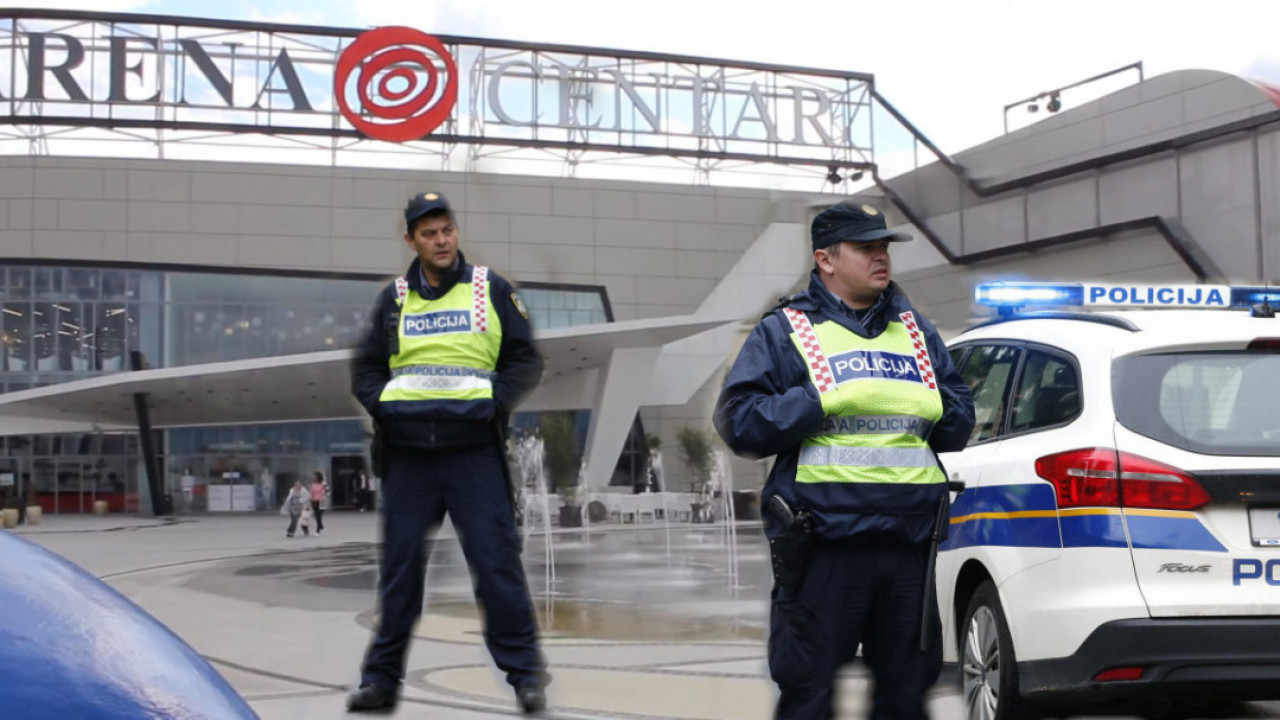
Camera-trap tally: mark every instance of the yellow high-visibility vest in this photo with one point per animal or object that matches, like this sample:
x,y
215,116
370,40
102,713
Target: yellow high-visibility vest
x,y
448,350
880,398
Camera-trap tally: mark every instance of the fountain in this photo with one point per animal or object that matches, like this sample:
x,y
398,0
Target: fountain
x,y
722,479
535,502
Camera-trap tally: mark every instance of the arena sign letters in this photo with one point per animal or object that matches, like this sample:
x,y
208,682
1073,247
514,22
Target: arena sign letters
x,y
398,84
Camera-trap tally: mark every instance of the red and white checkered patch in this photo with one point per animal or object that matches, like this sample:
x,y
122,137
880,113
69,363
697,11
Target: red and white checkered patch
x,y
813,354
923,364
479,296
402,290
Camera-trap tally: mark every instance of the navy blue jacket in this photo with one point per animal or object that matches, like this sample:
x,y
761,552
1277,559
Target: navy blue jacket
x,y
768,406
518,372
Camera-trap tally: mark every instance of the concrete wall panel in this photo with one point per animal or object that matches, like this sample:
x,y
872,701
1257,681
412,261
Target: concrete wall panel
x,y
554,230
92,215
17,182
994,224
1218,206
68,182
554,260
159,185
16,243
1062,208
1139,190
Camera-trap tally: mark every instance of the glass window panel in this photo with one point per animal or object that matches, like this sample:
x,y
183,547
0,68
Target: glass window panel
x,y
19,283
83,283
197,287
987,373
1048,393
115,284
49,282
45,321
110,336
557,318
587,301
149,286
17,335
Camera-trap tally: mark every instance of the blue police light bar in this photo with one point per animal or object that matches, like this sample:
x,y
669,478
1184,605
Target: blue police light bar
x,y
1010,295
1021,294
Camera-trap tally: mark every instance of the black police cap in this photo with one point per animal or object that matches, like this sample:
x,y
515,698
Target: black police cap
x,y
423,203
849,222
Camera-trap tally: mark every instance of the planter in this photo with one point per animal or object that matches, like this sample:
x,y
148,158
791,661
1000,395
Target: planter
x,y
9,518
570,516
34,514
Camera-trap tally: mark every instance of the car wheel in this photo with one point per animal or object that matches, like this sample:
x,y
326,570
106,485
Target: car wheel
x,y
988,665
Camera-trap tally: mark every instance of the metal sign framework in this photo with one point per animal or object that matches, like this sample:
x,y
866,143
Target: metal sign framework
x,y
84,81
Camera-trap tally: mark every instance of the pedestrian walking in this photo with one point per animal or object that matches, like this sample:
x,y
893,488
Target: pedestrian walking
x,y
319,498
294,502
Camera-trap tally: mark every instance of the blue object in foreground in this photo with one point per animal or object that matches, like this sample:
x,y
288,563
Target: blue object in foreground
x,y
73,647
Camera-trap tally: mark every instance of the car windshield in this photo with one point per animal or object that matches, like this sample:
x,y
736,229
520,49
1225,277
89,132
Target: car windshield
x,y
1219,403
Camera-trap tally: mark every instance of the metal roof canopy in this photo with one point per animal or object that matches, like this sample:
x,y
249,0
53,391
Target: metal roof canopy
x,y
309,386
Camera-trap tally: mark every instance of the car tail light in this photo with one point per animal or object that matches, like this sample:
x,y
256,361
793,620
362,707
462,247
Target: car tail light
x,y
1085,477
1102,477
1132,672
1146,483
1265,344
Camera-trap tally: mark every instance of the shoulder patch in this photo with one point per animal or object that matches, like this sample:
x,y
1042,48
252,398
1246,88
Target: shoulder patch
x,y
515,300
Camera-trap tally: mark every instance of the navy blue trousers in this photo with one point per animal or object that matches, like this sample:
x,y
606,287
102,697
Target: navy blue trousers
x,y
418,489
855,594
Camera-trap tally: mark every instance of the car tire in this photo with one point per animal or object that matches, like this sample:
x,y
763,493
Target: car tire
x,y
988,663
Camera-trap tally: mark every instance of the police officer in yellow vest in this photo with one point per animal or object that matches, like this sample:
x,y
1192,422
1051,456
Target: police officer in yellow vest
x,y
853,391
449,355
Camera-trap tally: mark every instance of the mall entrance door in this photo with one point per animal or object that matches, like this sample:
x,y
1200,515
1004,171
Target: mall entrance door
x,y
345,474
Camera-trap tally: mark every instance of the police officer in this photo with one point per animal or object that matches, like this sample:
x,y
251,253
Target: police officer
x,y
449,355
854,392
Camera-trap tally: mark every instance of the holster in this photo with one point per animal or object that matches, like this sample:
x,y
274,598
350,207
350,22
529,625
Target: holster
x,y
789,553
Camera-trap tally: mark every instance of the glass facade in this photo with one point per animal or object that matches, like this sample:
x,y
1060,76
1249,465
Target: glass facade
x,y
552,306
62,323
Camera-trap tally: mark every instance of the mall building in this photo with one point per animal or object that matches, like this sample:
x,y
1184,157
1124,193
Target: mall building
x,y
186,256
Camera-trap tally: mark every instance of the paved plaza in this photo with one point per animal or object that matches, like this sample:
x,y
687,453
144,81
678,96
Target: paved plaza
x,y
641,621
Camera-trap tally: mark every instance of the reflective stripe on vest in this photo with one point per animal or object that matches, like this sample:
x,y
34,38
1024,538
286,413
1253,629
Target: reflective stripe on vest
x,y
880,399
876,425
448,347
440,377
867,456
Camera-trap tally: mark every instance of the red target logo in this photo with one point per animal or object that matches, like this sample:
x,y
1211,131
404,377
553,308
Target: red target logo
x,y
404,93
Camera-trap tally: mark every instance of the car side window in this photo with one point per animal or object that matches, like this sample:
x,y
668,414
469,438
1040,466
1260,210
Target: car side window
x,y
1048,392
988,372
957,355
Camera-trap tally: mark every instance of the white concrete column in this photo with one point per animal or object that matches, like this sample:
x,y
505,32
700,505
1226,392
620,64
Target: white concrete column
x,y
625,383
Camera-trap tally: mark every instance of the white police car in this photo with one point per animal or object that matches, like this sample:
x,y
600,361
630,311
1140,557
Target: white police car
x,y
1119,534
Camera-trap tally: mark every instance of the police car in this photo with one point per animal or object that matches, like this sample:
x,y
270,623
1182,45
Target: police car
x,y
1118,537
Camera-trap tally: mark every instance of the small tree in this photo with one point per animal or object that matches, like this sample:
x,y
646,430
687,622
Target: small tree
x,y
696,452
653,443
560,442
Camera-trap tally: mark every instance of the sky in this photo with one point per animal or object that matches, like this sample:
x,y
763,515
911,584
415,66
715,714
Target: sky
x,y
949,65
